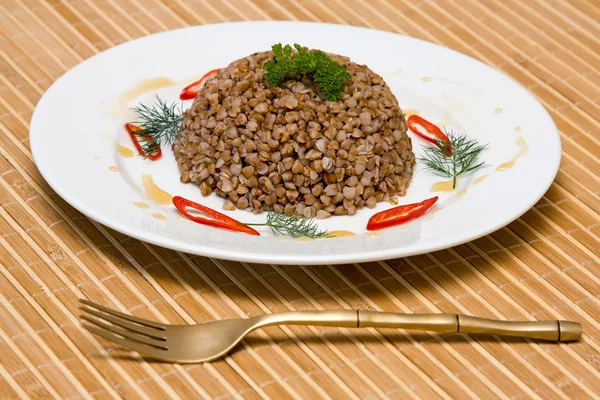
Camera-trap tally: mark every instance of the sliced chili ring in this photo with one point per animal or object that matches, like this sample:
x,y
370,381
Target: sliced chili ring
x,y
130,128
400,215
433,135
218,220
190,91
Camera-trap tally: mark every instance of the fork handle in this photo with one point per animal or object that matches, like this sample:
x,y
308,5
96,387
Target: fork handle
x,y
340,318
561,331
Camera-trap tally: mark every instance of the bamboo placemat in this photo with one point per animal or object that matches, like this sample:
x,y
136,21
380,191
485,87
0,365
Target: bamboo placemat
x,y
543,266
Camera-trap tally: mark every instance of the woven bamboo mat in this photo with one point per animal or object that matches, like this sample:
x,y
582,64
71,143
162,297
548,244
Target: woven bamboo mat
x,y
543,266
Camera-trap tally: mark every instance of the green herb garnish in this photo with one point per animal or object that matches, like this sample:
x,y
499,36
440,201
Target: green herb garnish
x,y
294,225
159,124
464,158
328,74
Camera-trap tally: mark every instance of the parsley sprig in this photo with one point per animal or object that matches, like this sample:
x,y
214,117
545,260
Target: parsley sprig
x,y
328,74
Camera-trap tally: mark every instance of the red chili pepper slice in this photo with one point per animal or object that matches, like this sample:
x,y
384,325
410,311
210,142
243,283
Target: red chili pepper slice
x,y
190,91
434,132
399,215
130,128
219,220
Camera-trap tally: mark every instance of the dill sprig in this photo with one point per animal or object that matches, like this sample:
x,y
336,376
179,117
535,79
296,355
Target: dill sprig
x,y
464,158
159,124
293,225
328,74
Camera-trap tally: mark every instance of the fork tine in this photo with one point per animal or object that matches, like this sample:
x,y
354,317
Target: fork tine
x,y
127,317
150,332
126,334
140,348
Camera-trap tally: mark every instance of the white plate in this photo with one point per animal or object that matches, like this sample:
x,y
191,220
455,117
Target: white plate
x,y
79,120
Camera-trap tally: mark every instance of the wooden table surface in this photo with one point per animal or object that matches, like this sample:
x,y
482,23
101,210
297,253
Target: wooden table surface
x,y
543,266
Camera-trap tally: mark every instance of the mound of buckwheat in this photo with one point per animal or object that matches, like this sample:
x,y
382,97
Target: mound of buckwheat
x,y
286,149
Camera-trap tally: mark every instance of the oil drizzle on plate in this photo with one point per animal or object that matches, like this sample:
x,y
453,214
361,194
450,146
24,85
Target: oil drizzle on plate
x,y
304,239
340,233
498,110
155,193
113,168
140,204
372,234
523,149
124,151
425,79
143,86
118,108
442,187
479,179
159,216
409,112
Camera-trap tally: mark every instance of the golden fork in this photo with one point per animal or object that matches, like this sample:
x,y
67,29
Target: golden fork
x,y
211,340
